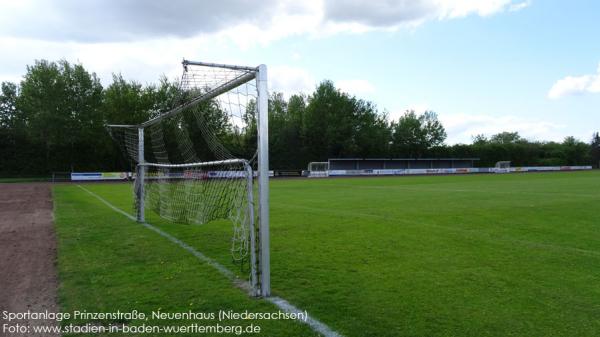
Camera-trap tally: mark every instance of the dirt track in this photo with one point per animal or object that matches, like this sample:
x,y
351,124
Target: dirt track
x,y
28,279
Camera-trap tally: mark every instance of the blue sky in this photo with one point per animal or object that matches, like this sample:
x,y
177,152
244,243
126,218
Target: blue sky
x,y
483,66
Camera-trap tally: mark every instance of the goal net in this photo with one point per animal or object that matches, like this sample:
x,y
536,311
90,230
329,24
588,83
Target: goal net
x,y
502,167
198,157
318,169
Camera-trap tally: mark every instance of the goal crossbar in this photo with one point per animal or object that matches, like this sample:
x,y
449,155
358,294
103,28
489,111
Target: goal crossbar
x,y
204,97
200,164
218,65
125,126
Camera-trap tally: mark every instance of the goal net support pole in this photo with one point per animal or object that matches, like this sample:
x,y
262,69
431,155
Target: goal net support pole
x,y
140,177
263,178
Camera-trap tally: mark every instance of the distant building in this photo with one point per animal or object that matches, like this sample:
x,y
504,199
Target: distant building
x,y
399,163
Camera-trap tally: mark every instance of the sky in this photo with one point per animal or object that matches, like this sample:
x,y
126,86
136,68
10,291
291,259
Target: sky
x,y
531,66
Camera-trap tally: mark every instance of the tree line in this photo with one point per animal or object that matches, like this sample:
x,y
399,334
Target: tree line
x,y
54,120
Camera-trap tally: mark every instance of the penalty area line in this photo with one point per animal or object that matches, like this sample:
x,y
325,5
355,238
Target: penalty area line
x,y
281,303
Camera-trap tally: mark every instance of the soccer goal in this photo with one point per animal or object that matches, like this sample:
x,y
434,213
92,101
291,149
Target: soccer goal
x,y
502,167
318,169
197,159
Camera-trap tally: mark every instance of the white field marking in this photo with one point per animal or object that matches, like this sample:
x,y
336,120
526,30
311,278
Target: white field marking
x,y
282,304
313,323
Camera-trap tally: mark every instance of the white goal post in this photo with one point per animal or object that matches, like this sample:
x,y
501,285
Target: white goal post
x,y
174,179
318,169
502,167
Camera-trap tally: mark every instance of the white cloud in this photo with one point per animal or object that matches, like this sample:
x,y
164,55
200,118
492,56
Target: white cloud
x,y
290,80
461,127
136,60
395,14
119,20
144,39
461,8
575,85
295,80
378,14
241,20
519,6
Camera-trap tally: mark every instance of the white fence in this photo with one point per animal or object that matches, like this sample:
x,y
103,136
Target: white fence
x,y
89,176
549,168
100,176
95,176
395,172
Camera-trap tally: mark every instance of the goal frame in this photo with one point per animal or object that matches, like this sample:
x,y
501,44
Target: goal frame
x,y
259,74
322,173
502,166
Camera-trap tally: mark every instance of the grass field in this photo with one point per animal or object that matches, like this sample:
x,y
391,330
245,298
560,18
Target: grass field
x,y
470,255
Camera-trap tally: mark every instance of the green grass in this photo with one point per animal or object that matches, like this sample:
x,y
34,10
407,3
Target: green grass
x,y
109,263
472,255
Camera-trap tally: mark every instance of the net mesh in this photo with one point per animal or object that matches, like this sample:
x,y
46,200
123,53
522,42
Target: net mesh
x,y
199,193
198,160
502,167
318,169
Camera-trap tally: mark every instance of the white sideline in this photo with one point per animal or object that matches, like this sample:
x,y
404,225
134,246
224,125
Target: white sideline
x,y
282,304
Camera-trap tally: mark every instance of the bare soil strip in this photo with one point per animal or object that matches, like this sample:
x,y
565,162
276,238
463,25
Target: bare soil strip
x,y
28,277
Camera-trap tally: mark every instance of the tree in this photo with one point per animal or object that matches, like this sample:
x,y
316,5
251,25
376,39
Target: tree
x,y
285,122
506,138
8,105
54,120
413,135
15,149
336,124
127,102
576,152
296,154
595,150
61,104
407,136
434,131
327,126
372,131
480,139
